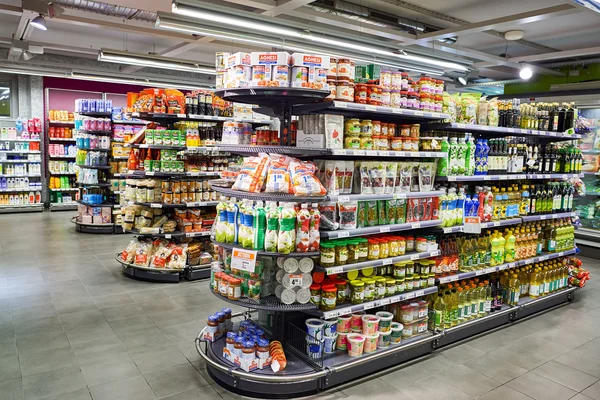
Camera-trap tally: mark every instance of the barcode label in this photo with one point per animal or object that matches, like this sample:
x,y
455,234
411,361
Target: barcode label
x,y
554,216
542,217
360,152
510,130
386,261
343,234
461,125
371,108
168,236
150,173
394,299
399,196
479,272
335,270
414,257
396,111
485,128
543,258
384,153
384,229
419,113
180,115
436,115
419,293
496,223
523,130
416,225
401,153
428,154
340,104
385,301
410,295
155,205
343,198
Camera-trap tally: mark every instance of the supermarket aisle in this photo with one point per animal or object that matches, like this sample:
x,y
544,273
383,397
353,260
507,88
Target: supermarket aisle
x,y
73,328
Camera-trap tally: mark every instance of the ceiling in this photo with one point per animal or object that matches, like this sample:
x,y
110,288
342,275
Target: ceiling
x,y
86,26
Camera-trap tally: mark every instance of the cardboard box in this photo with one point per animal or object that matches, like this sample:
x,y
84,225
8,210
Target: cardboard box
x,y
269,58
106,213
239,58
86,219
310,60
314,141
246,365
97,219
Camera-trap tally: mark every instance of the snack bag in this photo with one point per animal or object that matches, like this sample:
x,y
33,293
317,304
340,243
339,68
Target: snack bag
x,y
278,175
252,174
449,106
348,214
390,177
128,254
469,110
482,111
493,112
178,256
377,175
160,254
365,179
304,181
142,254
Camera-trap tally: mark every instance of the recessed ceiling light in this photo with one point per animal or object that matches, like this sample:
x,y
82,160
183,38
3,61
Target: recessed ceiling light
x,y
513,35
525,73
39,22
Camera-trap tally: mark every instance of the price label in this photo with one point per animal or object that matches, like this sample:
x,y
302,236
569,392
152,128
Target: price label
x,y
552,133
428,154
524,131
547,176
399,195
384,153
543,258
343,198
414,257
435,253
296,280
535,133
368,306
436,115
487,178
511,130
462,126
370,108
419,113
168,236
340,104
343,234
243,259
401,153
565,176
485,128
385,302
396,111
386,261
512,265
479,272
503,177
451,179
144,146
360,152
155,205
335,270
419,293
496,223
409,295
542,217
181,115
150,173
415,225
384,229
340,152
490,270
192,234
135,114
554,216
394,299
502,267
561,254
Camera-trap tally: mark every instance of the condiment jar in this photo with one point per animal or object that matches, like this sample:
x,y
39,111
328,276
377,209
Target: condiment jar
x,y
360,93
327,254
366,127
386,97
421,245
315,294
405,130
357,292
328,297
395,98
410,243
262,349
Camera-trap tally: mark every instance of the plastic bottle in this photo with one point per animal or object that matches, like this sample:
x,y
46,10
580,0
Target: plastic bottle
x,y
460,207
439,309
221,223
286,239
461,296
444,162
509,249
452,204
474,301
454,308
259,226
514,290
470,157
534,284
487,307
232,221
461,157
501,246
303,229
453,149
272,229
467,305
482,298
495,242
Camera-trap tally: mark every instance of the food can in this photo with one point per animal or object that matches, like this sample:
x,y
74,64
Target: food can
x,y
259,73
299,76
280,75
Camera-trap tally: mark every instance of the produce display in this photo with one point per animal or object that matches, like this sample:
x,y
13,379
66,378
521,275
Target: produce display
x,y
167,254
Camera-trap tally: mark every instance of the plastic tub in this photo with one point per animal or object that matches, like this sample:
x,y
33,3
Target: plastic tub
x,y
422,309
384,339
329,343
410,329
370,324
344,324
371,343
356,321
314,327
385,320
406,313
341,342
314,349
396,333
356,344
415,309
330,327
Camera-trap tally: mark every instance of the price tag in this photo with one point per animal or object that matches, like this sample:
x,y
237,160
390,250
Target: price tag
x,y
191,234
451,179
503,177
385,301
462,126
334,270
343,234
168,236
396,111
368,306
436,115
155,205
370,108
565,176
490,270
419,113
414,257
547,176
336,152
296,280
360,152
340,104
485,128
524,131
415,225
435,253
552,133
384,229
181,115
543,258
554,216
487,178
343,198
399,195
135,114
384,153
150,173
511,130
502,267
401,153
512,265
497,223
542,217
479,272
428,154
395,299
386,261
243,259
561,254
144,146
535,133
409,295
419,293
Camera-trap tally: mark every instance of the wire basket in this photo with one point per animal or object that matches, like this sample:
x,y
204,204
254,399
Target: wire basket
x,y
303,345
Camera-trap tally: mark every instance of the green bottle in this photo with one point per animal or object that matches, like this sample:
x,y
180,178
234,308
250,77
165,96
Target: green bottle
x,y
443,162
259,226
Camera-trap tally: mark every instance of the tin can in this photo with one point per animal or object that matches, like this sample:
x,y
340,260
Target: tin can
x,y
281,75
299,76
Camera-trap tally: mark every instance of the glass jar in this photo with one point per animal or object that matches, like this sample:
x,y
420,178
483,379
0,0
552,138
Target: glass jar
x,y
410,268
234,290
431,280
315,294
384,129
391,130
393,242
369,289
396,80
328,297
352,126
400,270
421,245
407,144
384,248
376,127
405,130
352,251
373,249
342,291
390,286
415,131
425,267
425,105
406,313
386,99
376,142
366,143
395,98
397,144
366,127
400,285
360,93
385,79
410,243
404,83
374,95
380,290
352,141
403,99
341,253
344,91
327,254
363,249
357,292
401,245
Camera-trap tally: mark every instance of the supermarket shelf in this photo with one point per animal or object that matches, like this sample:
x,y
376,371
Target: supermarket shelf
x,y
505,222
20,161
124,158
349,309
63,206
590,151
62,156
373,230
358,110
267,96
453,229
453,126
203,173
20,176
171,235
21,208
18,140
266,196
62,139
269,303
143,174
198,149
21,151
100,184
182,205
543,217
20,190
128,122
94,114
128,265
84,203
154,146
94,166
390,196
63,173
66,123
478,178
65,190
519,263
378,263
198,117
266,253
246,149
386,153
97,149
98,133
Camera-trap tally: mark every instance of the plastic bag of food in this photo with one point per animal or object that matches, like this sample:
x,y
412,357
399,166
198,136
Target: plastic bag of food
x,y
252,174
482,111
469,110
328,216
426,176
372,213
348,214
178,256
493,112
304,181
278,175
449,106
286,238
142,254
160,254
339,171
391,170
128,254
348,176
377,175
365,179
404,175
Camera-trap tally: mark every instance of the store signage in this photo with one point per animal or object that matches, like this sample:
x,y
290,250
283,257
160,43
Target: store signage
x,y
244,260
472,225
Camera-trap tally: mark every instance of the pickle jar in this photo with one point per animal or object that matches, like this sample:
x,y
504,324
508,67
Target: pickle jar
x,y
369,289
390,286
425,267
363,249
400,270
431,280
393,242
341,252
352,250
352,126
400,285
374,253
315,294
352,141
328,297
401,245
366,128
327,254
410,243
384,248
380,287
357,292
342,291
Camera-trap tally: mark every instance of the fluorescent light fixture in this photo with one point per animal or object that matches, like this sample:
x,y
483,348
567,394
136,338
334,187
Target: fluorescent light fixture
x,y
39,22
108,79
7,91
462,80
273,29
525,73
146,60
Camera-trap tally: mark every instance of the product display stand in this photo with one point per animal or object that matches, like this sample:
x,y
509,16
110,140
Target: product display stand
x,y
304,374
62,175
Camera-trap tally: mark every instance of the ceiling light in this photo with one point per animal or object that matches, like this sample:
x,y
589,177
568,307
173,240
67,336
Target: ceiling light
x,y
525,73
144,82
27,55
462,80
146,60
513,35
39,22
7,91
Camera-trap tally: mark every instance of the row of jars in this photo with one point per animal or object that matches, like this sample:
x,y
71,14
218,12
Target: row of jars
x,y
367,127
349,251
379,96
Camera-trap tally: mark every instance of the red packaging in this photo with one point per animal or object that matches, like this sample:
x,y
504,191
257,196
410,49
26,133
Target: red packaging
x,y
412,210
435,208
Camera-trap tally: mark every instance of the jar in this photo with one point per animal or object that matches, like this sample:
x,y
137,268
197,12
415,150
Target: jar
x,y
400,270
342,291
425,105
262,349
327,255
431,280
397,80
352,126
421,245
332,90
315,294
384,248
439,102
369,289
390,286
212,325
410,243
366,143
407,144
230,341
405,130
352,251
397,143
403,99
410,268
385,79
332,71
415,130
439,87
401,245
224,285
391,130
343,70
384,129
409,283
360,93
366,127
404,83
344,91
357,292
386,97
395,98
406,313
352,141
425,267
248,351
234,290
400,285
376,142
376,127
380,287
341,253
373,249
363,249
374,95
328,297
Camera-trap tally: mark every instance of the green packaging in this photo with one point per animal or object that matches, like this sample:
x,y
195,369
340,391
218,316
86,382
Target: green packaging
x,y
371,208
361,215
381,210
182,138
150,136
390,211
401,211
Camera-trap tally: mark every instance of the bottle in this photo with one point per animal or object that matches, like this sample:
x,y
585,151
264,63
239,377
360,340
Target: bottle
x,y
439,310
443,163
221,223
514,290
303,229
470,157
488,297
315,223
259,226
454,308
461,305
562,114
286,239
509,250
570,117
272,227
482,299
534,284
474,301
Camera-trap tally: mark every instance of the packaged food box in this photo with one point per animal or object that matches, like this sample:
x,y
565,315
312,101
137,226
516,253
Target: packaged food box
x,y
239,58
269,58
86,219
97,219
106,212
310,60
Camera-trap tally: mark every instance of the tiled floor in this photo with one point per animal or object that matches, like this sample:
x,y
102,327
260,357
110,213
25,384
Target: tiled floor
x,y
73,328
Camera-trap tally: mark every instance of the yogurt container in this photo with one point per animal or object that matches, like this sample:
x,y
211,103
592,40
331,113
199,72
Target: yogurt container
x,y
329,343
371,342
396,333
314,349
344,324
314,327
384,339
370,324
330,327
385,320
341,341
356,344
356,321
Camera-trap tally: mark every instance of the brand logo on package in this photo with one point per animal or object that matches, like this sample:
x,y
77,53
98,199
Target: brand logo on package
x,y
267,58
312,60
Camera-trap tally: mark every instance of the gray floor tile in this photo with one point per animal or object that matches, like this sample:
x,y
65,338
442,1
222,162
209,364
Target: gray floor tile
x,y
7,331
143,296
461,353
467,380
8,347
81,394
90,333
580,396
582,360
53,383
135,342
44,361
135,388
108,369
202,393
156,359
593,391
521,357
113,300
9,368
567,376
174,317
42,341
122,312
495,368
67,307
175,380
540,388
98,350
165,304
30,301
408,374
504,393
12,390
537,345
179,333
23,314
35,326
373,388
432,388
82,318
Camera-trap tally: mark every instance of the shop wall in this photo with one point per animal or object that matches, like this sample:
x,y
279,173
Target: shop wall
x,y
31,96
542,83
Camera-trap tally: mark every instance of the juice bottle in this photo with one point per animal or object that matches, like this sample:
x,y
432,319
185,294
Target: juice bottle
x,y
482,299
505,281
477,263
221,223
482,248
509,249
439,309
454,308
442,168
315,221
447,310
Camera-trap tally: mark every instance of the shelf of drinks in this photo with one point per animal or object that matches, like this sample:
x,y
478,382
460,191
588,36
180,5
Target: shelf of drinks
x,y
63,173
64,189
478,178
543,217
504,222
182,205
61,156
94,166
128,122
378,263
346,309
20,161
269,303
65,123
453,126
266,196
62,139
197,117
230,246
18,140
358,110
21,176
386,153
143,174
374,230
200,149
21,151
20,190
502,267
387,196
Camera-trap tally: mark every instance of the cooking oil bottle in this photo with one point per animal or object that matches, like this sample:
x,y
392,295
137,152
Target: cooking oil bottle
x,y
454,309
504,280
461,300
514,290
447,310
534,284
474,301
439,309
481,290
467,305
488,297
509,249
546,276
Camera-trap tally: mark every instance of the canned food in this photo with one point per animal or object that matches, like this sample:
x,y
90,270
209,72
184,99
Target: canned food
x,y
299,76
